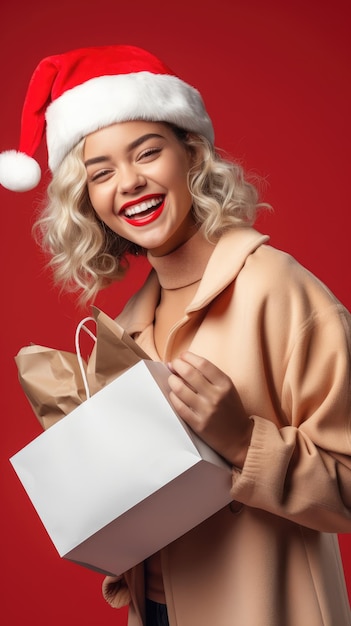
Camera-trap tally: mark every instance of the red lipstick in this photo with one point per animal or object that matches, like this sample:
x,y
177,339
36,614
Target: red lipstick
x,y
146,215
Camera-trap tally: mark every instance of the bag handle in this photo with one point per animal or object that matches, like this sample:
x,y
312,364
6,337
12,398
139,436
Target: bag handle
x,y
81,326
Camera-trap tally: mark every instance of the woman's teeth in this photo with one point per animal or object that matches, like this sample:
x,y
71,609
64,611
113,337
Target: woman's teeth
x,y
143,206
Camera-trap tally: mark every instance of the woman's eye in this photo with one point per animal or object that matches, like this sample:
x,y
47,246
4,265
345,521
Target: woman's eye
x,y
149,153
99,175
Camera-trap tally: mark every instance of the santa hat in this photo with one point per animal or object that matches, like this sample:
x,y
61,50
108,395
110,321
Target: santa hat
x,y
73,94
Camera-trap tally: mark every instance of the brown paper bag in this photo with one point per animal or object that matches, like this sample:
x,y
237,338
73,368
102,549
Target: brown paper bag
x,y
52,379
114,352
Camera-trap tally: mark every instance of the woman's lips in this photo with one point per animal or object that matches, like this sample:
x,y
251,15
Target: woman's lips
x,y
144,211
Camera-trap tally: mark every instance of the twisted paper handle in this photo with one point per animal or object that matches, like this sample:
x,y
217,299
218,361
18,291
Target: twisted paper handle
x,y
79,328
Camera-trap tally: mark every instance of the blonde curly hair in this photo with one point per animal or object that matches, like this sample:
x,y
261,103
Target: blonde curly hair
x,y
86,255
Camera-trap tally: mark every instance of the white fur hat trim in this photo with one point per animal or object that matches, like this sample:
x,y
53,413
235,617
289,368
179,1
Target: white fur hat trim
x,y
105,100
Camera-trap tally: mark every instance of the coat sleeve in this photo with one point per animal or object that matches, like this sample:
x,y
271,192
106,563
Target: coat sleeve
x,y
301,469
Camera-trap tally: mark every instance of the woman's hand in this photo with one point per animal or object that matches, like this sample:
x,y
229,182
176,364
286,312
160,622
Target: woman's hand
x,y
206,399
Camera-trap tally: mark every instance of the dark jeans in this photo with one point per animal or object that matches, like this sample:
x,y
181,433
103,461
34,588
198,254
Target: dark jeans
x,y
156,614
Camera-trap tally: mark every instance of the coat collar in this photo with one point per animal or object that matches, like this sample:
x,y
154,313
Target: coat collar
x,y
228,257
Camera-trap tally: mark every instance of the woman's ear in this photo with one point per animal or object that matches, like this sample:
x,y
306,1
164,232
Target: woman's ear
x,y
195,149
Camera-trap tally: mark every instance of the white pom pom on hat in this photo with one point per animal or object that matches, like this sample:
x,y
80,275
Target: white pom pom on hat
x,y
18,171
73,94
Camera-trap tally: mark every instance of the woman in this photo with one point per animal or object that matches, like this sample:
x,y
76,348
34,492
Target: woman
x,y
258,348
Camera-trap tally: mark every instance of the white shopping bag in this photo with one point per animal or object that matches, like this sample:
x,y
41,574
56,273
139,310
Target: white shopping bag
x,y
121,476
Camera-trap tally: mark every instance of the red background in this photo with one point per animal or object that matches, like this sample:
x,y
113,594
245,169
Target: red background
x,y
275,77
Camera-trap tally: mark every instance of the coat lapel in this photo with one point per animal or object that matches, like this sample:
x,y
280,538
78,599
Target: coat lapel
x,y
226,261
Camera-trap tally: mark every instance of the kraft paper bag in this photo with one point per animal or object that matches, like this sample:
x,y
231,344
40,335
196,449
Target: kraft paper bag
x,y
122,476
52,379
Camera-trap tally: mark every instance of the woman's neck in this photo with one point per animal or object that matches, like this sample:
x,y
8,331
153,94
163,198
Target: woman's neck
x,y
179,274
185,265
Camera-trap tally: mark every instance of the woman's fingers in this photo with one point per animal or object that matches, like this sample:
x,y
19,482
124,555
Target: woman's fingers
x,y
198,385
189,365
206,399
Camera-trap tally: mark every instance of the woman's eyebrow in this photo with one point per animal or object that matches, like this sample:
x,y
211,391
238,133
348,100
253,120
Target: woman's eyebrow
x,y
94,160
137,142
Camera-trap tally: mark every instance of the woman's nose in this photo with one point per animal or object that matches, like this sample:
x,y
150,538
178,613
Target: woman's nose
x,y
130,180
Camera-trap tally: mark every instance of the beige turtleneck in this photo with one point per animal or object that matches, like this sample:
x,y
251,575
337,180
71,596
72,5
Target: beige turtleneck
x,y
179,274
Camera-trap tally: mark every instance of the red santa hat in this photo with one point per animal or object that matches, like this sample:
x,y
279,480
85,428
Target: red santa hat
x,y
73,94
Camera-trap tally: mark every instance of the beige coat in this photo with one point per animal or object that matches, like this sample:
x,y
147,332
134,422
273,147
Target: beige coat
x,y
284,339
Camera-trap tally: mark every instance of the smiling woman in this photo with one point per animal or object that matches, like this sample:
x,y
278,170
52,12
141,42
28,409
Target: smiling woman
x,y
258,349
143,182
87,252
